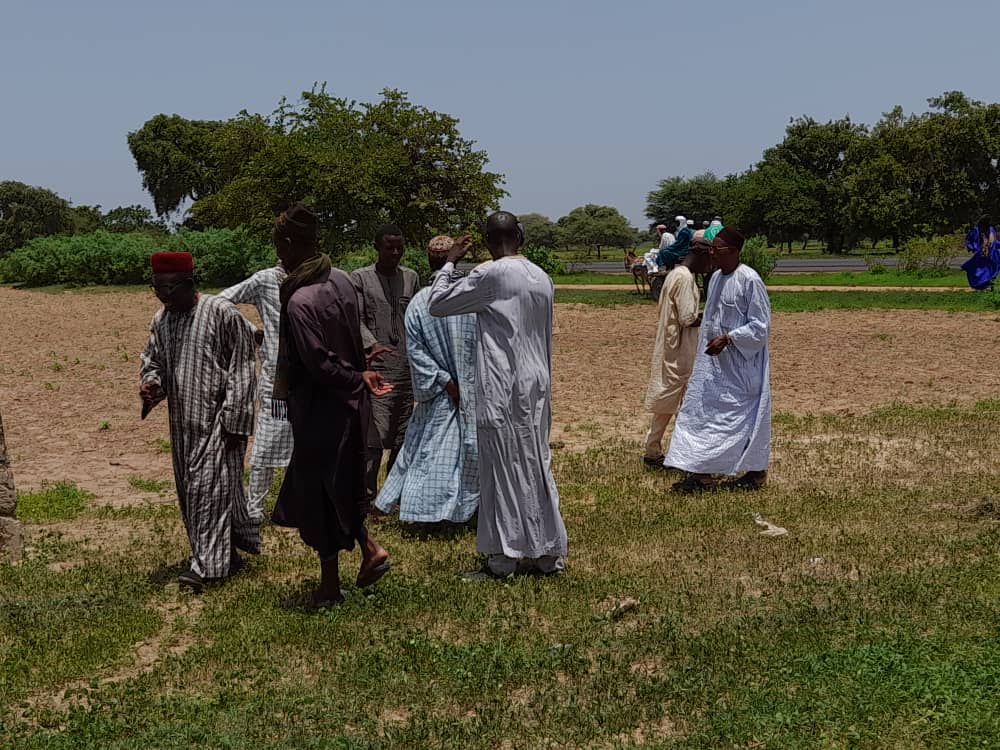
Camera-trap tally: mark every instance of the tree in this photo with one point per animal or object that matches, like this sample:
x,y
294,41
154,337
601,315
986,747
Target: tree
x,y
696,198
540,231
27,212
596,227
133,218
85,219
358,164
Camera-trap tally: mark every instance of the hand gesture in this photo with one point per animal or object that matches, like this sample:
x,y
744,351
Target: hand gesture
x,y
459,249
452,389
375,383
377,351
716,345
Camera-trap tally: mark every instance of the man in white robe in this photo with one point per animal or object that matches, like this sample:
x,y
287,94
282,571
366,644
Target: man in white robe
x,y
724,425
519,525
272,441
436,476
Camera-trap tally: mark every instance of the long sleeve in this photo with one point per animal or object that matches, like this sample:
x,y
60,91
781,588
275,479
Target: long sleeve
x,y
368,339
241,379
429,378
685,298
751,337
323,364
469,294
247,292
676,250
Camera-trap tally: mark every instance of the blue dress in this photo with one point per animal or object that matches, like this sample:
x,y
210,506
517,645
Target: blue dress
x,y
982,268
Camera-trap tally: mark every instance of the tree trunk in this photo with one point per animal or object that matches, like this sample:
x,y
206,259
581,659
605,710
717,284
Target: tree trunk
x,y
11,542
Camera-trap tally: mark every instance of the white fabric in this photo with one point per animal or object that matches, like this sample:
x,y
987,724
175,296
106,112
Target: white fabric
x,y
650,260
513,301
666,240
724,425
676,342
715,223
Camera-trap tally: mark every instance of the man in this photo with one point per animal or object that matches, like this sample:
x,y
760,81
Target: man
x,y
714,228
436,477
519,523
272,442
200,358
668,256
724,425
384,290
666,238
700,234
323,377
675,347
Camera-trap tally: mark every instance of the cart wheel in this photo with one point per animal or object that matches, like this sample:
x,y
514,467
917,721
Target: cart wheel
x,y
655,287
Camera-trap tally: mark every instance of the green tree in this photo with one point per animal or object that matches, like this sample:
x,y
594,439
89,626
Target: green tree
x,y
84,219
594,226
27,212
358,164
540,231
697,197
133,218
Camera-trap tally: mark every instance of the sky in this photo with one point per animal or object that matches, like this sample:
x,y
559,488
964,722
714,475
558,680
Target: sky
x,y
575,102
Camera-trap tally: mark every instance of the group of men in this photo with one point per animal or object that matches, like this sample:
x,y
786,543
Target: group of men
x,y
672,247
710,371
454,380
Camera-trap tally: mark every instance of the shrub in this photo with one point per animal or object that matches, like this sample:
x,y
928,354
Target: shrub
x,y
874,265
756,255
222,257
929,256
545,259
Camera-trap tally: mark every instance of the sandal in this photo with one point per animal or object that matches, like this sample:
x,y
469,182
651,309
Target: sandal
x,y
371,576
752,480
691,484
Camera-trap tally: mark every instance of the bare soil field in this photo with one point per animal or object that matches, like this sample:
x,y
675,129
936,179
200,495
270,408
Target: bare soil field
x,y
69,362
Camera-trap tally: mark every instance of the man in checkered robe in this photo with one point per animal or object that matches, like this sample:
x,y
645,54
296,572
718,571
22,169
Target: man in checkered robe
x,y
200,359
436,477
272,440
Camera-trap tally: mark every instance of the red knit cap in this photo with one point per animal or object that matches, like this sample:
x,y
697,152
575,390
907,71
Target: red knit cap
x,y
172,262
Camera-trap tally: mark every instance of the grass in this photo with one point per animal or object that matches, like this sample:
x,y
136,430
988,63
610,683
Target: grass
x,y
54,501
840,278
811,301
149,485
872,624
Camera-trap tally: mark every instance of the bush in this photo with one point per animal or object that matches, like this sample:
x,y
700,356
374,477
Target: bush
x,y
545,259
874,265
929,256
222,257
365,256
756,255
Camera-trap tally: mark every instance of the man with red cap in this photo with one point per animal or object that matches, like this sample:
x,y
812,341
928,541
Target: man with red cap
x,y
200,359
724,425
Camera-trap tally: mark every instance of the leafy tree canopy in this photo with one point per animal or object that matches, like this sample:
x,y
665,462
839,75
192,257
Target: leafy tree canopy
x,y
27,212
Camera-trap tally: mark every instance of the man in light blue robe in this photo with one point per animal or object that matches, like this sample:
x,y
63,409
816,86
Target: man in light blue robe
x,y
724,425
436,476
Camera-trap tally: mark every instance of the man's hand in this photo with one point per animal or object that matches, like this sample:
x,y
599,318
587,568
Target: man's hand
x,y
258,338
149,391
716,345
697,321
452,389
459,249
377,351
375,383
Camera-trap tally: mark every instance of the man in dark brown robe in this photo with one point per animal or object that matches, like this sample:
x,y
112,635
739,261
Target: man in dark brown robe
x,y
322,374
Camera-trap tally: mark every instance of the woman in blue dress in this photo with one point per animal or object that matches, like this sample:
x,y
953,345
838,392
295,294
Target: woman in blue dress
x,y
984,265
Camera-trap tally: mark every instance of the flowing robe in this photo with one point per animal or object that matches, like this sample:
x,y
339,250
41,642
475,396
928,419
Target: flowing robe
x,y
519,504
203,361
323,493
724,425
436,477
982,267
676,342
272,440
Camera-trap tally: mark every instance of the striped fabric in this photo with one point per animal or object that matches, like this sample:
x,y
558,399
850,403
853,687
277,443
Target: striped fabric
x,y
203,361
272,441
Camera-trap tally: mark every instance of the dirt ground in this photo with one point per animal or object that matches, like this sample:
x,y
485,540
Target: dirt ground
x,y
69,362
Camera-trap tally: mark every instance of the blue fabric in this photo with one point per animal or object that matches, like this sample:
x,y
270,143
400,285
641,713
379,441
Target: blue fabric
x,y
982,268
669,255
436,476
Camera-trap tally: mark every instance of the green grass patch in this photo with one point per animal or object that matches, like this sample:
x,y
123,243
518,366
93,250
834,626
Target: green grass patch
x,y
55,501
864,278
149,485
611,279
872,624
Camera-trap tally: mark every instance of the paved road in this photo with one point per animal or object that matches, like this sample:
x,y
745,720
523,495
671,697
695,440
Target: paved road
x,y
784,265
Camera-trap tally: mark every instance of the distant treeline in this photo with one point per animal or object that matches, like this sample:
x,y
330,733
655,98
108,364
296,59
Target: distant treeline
x,y
841,182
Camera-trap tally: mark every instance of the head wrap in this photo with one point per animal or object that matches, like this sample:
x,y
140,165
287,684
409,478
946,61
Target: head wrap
x,y
680,220
440,245
731,238
661,227
690,222
172,262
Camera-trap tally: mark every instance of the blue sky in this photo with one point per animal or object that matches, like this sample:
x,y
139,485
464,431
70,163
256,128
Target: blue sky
x,y
575,102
